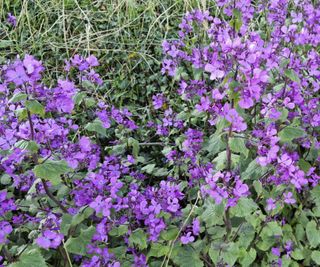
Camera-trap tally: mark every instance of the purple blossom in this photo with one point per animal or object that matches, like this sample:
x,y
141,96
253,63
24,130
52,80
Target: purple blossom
x,y
288,198
11,19
6,229
186,239
49,239
158,100
271,204
276,252
102,205
214,72
196,227
240,189
17,75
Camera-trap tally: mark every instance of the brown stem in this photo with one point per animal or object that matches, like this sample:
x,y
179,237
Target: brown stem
x,y
228,149
31,124
52,197
35,158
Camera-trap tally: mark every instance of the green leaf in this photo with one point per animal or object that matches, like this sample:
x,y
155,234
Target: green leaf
x,y
51,170
254,171
244,207
149,168
158,250
272,229
28,258
315,256
96,126
90,102
35,107
119,231
214,254
290,132
78,98
258,187
135,146
236,21
213,213
78,245
221,125
21,113
119,252
27,145
297,254
238,145
313,234
221,160
246,235
231,255
315,195
278,87
284,114
65,224
139,238
18,97
214,144
247,258
299,232
292,75
170,233
5,179
186,256
83,214
304,165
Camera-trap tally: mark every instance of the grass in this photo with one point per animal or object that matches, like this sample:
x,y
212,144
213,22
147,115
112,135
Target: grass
x,y
126,35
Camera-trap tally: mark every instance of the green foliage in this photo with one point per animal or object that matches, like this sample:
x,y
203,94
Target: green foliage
x,y
313,234
51,170
35,107
78,245
289,133
18,97
187,256
96,126
27,145
30,257
292,75
138,238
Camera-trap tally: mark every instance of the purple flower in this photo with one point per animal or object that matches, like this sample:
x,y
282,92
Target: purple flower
x,y
276,251
288,247
102,205
234,118
169,66
158,100
271,205
49,239
288,198
85,144
5,229
11,19
214,72
204,104
17,75
92,61
196,227
240,189
186,239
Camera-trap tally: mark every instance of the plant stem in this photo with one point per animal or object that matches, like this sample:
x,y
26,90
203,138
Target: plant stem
x,y
35,159
52,197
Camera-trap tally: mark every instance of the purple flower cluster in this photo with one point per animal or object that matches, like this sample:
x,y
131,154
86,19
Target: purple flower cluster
x,y
222,186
